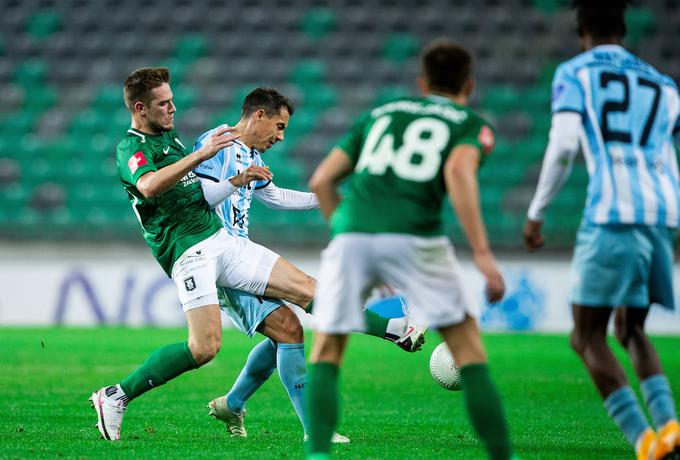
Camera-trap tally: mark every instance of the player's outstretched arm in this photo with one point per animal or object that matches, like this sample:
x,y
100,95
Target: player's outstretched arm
x,y
324,182
216,191
274,197
155,183
460,176
557,163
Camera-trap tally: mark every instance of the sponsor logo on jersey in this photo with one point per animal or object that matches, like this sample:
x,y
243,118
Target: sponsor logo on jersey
x,y
136,160
190,284
558,90
486,139
166,149
239,217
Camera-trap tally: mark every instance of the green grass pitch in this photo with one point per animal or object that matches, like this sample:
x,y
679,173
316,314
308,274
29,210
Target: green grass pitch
x,y
392,409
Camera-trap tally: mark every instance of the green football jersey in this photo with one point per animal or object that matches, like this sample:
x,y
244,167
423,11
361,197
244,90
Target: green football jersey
x,y
178,218
398,151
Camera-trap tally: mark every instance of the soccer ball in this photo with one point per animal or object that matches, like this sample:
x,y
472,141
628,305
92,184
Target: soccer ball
x,y
443,368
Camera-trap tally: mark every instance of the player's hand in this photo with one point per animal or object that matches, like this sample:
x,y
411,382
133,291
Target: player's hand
x,y
495,286
218,141
532,235
253,172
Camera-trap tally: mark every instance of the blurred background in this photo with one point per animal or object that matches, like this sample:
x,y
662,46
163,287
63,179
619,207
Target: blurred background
x,y
62,64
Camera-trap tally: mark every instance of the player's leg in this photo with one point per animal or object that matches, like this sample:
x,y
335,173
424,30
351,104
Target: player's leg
x,y
345,279
194,276
654,384
248,313
482,400
323,405
589,340
289,283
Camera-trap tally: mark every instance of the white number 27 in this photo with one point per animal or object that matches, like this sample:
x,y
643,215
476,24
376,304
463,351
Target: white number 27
x,y
378,153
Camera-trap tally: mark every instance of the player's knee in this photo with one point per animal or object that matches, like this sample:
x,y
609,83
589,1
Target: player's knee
x,y
625,333
292,329
205,349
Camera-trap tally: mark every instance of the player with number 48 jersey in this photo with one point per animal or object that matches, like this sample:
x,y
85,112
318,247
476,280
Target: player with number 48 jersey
x,y
398,150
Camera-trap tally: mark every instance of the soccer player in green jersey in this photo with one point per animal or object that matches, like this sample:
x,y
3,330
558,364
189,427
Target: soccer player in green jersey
x,y
187,239
404,158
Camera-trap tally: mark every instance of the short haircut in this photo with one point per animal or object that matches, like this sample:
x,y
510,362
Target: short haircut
x,y
138,84
446,66
267,99
602,19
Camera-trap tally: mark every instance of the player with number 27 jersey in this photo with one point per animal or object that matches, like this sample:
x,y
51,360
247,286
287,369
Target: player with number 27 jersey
x,y
398,151
629,112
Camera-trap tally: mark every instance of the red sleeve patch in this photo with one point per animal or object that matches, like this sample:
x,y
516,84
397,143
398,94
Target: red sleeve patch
x,y
486,139
136,160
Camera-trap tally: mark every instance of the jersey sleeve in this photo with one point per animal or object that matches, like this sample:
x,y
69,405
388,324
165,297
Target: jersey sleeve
x,y
567,92
212,168
352,142
477,133
260,183
135,161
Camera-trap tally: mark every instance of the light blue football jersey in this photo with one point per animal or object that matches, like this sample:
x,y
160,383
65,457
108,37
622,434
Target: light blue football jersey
x,y
229,162
630,113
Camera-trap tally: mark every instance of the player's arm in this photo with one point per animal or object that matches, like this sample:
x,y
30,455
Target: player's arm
x,y
216,191
557,163
283,198
154,183
325,180
460,176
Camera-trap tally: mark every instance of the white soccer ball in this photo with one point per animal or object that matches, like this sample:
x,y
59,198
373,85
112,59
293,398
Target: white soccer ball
x,y
443,368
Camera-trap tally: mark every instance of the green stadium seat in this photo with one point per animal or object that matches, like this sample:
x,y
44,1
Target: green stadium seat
x,y
319,97
640,22
40,98
308,72
185,96
30,73
18,123
318,22
43,24
107,98
549,6
390,93
500,99
401,47
191,47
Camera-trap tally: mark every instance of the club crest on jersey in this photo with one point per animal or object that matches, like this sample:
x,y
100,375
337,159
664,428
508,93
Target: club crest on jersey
x,y
486,139
190,284
136,160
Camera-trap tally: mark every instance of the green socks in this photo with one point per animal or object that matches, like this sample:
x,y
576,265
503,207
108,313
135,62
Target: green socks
x,y
322,407
161,366
486,411
376,325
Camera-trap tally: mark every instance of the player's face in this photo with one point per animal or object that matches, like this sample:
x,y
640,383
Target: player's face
x,y
269,130
160,110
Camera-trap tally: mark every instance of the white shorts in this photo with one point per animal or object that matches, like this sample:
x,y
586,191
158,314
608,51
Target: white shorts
x,y
221,260
423,269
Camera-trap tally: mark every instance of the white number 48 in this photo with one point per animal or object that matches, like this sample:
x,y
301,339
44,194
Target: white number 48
x,y
378,153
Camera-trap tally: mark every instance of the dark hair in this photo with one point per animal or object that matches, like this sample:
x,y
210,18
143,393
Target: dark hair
x,y
446,65
267,99
601,19
138,84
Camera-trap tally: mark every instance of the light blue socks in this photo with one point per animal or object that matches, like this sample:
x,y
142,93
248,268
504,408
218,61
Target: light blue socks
x,y
624,408
259,367
659,399
290,360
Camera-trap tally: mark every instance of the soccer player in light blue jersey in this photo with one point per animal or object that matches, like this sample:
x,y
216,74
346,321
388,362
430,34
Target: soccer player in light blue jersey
x,y
622,113
265,116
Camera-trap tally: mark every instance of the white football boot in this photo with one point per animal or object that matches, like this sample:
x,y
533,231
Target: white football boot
x,y
413,338
233,420
109,403
337,438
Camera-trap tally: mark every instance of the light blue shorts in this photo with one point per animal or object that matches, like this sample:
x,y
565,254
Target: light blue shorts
x,y
623,266
246,310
